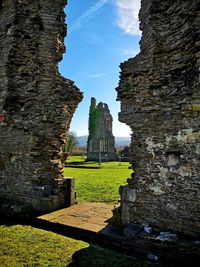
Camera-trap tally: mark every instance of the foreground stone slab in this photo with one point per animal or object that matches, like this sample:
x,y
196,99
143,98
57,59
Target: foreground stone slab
x,y
89,216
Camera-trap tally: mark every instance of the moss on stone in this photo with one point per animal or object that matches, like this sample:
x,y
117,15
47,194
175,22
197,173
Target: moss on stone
x,y
94,116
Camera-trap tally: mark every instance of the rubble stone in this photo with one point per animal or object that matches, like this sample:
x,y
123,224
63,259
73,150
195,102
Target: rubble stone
x,y
36,105
159,91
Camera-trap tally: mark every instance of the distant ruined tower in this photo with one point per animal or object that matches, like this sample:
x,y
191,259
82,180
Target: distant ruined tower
x,y
101,142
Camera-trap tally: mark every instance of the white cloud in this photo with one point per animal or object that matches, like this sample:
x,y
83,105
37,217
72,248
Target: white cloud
x,y
121,129
92,76
78,22
128,16
128,52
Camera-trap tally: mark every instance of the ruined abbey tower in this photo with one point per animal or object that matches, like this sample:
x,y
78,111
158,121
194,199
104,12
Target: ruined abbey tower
x,y
101,142
36,106
159,91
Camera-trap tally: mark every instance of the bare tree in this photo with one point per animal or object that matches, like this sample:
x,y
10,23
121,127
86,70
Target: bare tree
x,y
71,143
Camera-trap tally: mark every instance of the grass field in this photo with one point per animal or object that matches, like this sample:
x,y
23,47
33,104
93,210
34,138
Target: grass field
x,y
99,185
76,158
27,246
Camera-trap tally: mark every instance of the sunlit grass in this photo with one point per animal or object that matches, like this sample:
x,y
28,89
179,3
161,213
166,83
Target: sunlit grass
x,y
100,185
76,158
27,246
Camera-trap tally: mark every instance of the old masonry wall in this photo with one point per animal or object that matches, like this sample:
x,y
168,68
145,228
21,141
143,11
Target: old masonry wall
x,y
36,105
159,91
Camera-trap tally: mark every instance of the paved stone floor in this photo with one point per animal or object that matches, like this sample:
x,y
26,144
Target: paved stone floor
x,y
88,216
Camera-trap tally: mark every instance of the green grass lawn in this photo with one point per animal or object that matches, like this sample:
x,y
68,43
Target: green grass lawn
x,y
76,158
22,246
99,185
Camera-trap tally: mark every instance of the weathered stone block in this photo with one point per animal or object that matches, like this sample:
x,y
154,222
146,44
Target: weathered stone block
x,y
128,194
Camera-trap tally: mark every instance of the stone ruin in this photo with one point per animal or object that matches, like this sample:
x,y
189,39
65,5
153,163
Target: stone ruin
x,y
36,106
101,142
159,91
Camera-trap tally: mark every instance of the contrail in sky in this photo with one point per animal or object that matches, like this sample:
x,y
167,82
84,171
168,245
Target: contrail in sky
x,y
89,12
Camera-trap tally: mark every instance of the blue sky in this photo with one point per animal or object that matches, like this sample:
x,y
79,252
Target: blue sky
x,y
101,35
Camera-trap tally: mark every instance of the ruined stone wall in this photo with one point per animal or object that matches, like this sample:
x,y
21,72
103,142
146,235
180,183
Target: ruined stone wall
x,y
36,105
101,142
159,91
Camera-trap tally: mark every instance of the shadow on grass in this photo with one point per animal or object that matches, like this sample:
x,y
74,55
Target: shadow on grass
x,y
82,165
95,256
92,256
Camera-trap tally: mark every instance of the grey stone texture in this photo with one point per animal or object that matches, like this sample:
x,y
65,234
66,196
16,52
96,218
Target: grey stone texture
x,y
36,105
101,142
159,91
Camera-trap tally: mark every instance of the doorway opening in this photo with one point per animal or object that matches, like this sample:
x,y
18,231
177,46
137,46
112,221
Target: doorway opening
x,y
95,48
